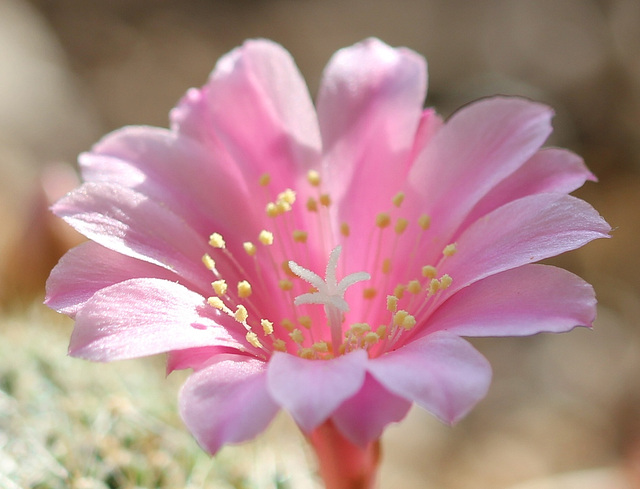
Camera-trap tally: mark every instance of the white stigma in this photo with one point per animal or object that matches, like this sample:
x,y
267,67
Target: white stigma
x,y
330,292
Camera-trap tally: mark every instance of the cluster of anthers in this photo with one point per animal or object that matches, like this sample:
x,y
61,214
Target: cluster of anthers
x,y
335,336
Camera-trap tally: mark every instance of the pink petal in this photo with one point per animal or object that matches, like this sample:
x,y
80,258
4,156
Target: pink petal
x,y
549,170
262,112
369,107
72,282
311,390
441,372
524,231
198,183
363,417
132,224
195,358
143,317
523,301
477,148
227,402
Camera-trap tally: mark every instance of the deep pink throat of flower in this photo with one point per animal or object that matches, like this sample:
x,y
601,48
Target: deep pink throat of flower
x,y
324,260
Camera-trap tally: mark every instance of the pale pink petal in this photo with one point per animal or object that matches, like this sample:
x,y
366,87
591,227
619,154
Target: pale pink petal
x,y
72,282
477,148
132,224
440,372
262,112
523,301
195,358
227,402
369,107
363,417
311,390
549,170
198,183
143,317
524,231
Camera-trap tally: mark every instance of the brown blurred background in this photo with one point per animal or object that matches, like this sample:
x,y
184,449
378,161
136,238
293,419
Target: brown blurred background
x,y
71,70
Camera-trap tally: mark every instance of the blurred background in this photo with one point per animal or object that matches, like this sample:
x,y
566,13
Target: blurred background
x,y
563,411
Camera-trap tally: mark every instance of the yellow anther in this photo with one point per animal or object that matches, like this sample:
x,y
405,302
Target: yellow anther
x,y
272,209
312,205
342,349
313,177
297,336
285,284
287,324
398,199
398,291
369,292
279,345
306,353
241,314
265,178
381,331
408,322
383,220
216,240
220,287
424,222
414,287
370,338
283,206
300,236
325,200
429,272
445,281
321,347
344,229
305,321
386,265
253,340
287,269
208,262
399,316
288,196
449,250
401,225
216,302
267,326
244,289
358,329
249,248
392,303
434,286
265,237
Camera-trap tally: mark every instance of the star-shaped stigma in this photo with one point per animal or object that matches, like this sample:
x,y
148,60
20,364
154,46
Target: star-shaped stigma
x,y
330,292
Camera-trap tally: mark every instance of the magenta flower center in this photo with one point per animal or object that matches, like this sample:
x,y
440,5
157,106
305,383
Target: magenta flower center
x,y
397,305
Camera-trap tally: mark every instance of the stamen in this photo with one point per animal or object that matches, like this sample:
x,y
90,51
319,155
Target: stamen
x,y
208,262
401,225
445,281
424,222
344,229
305,321
285,284
267,326
325,200
449,250
253,340
279,345
312,205
429,272
300,236
266,237
383,220
220,287
369,293
398,199
392,303
249,248
216,240
297,336
244,289
414,287
287,324
241,314
313,177
386,266
265,178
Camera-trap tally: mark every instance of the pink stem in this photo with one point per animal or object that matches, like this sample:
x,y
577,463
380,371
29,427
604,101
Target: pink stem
x,y
344,465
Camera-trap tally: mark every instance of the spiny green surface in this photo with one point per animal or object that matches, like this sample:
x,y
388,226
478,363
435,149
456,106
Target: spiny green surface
x,y
68,423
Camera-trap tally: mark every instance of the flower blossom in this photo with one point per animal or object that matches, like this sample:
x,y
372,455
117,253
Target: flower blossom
x,y
326,260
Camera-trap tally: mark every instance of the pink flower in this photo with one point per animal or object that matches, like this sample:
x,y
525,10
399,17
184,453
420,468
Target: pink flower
x,y
347,248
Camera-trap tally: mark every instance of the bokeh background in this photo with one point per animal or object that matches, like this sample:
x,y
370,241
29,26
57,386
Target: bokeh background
x,y
563,411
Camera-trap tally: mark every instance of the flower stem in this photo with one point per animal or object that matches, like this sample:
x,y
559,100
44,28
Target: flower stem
x,y
344,465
